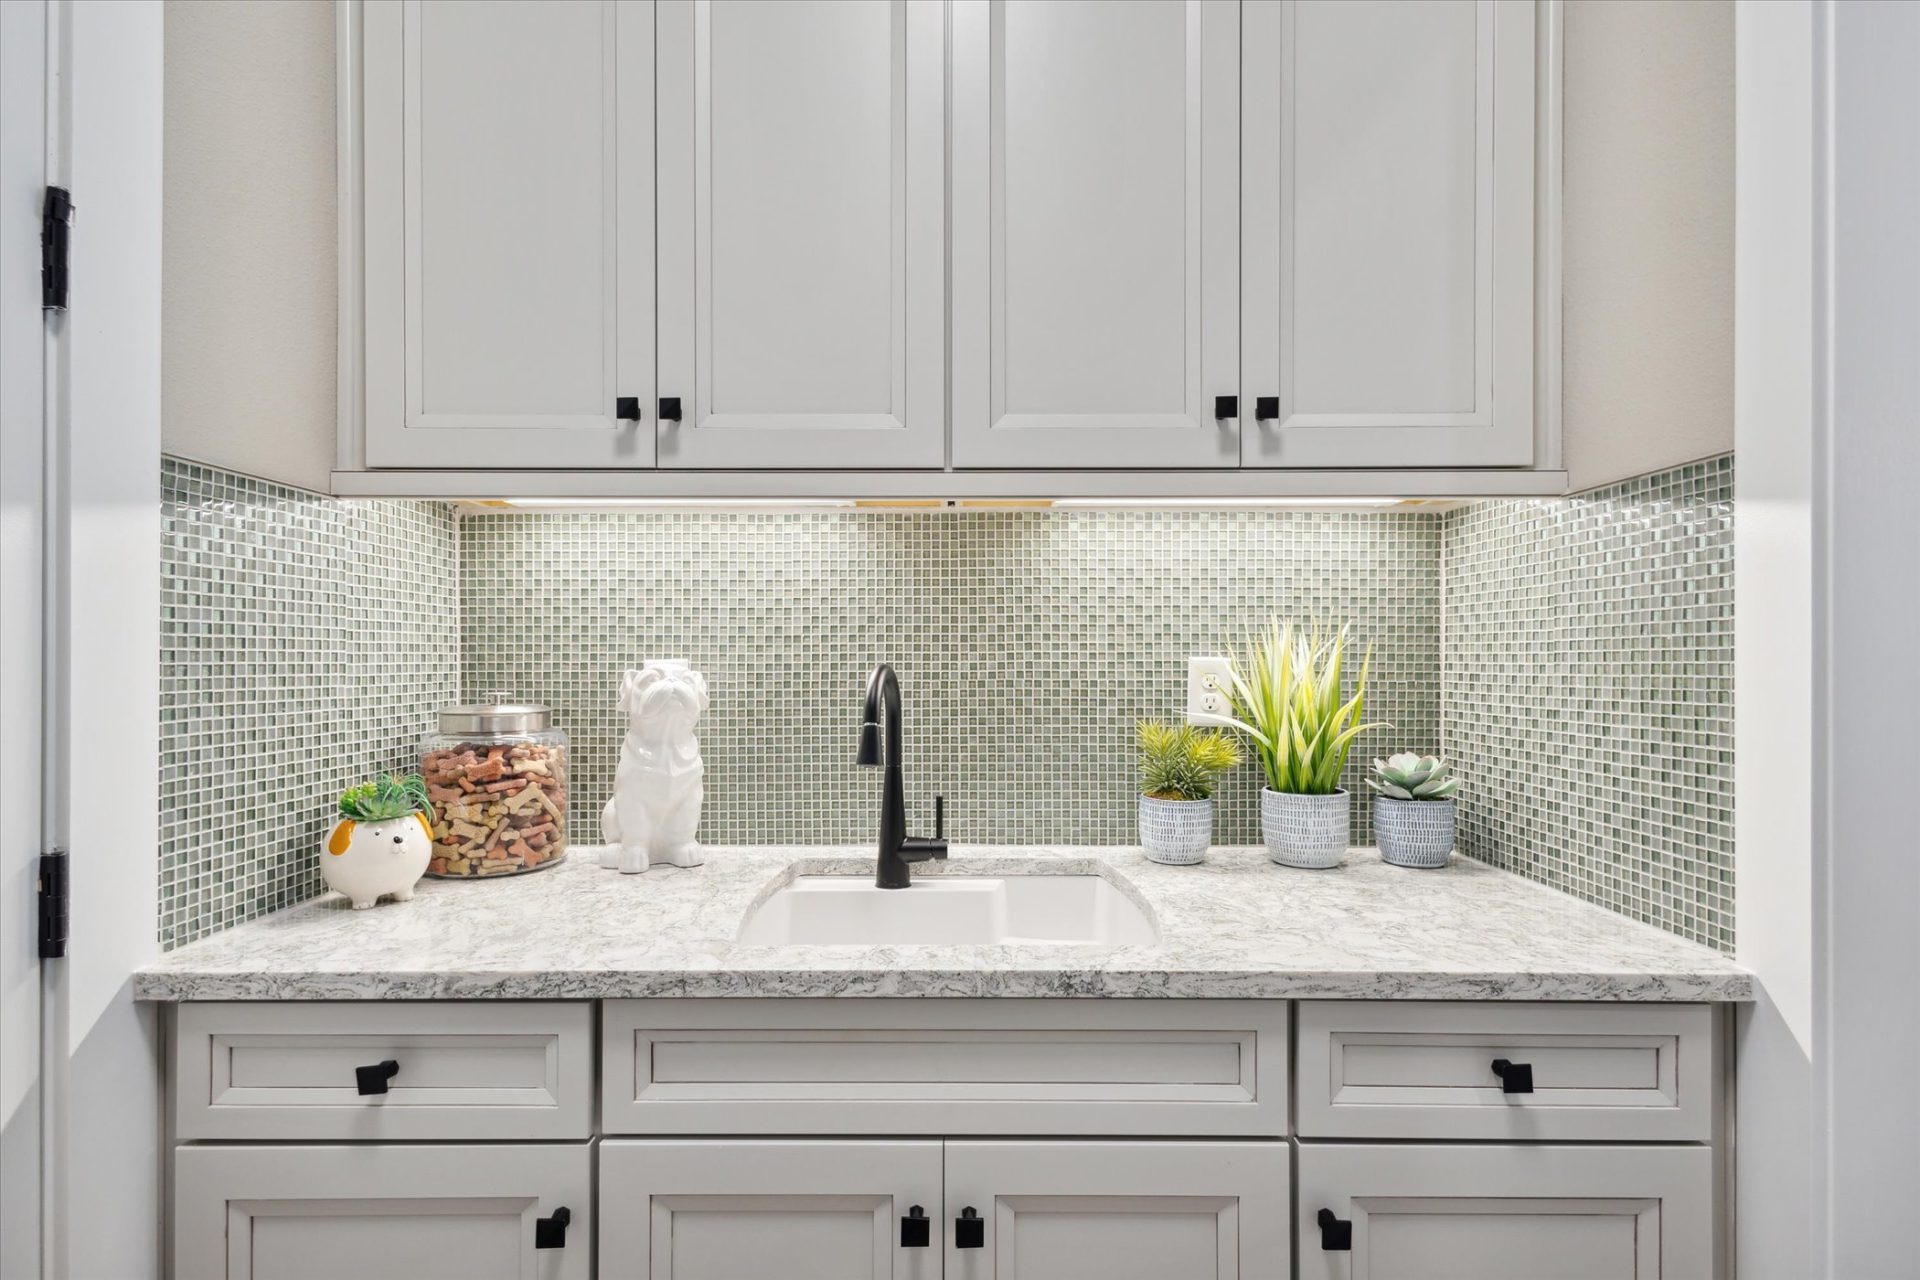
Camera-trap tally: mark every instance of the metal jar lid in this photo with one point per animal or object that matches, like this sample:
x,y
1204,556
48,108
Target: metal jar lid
x,y
496,717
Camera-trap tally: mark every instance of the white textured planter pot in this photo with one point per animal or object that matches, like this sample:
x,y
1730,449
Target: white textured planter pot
x,y
1413,833
1176,832
1305,831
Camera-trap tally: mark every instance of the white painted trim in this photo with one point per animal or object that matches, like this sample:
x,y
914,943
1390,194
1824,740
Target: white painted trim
x,y
351,389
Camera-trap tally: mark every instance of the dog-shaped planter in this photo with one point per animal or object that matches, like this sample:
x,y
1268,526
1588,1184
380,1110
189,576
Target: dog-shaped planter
x,y
657,789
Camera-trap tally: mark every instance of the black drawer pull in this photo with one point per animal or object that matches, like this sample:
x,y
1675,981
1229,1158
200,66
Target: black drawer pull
x,y
1336,1234
627,408
551,1233
374,1079
969,1230
1266,408
1515,1077
1226,407
916,1229
669,408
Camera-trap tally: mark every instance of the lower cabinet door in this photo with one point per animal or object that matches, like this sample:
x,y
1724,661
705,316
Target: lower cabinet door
x,y
1384,1212
743,1210
1116,1211
467,1212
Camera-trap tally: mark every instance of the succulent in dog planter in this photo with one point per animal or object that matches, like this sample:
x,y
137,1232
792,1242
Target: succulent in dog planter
x,y
1179,768
1413,809
382,842
1287,699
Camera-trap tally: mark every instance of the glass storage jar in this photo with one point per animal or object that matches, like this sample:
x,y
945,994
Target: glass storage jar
x,y
496,774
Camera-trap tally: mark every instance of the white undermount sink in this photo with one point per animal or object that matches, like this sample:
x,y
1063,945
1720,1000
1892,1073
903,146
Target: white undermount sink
x,y
948,911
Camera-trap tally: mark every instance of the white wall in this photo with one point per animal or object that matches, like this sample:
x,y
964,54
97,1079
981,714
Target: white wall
x,y
1647,284
250,237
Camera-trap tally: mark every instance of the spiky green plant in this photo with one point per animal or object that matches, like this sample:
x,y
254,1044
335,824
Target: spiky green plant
x,y
1182,762
1286,698
384,799
1407,776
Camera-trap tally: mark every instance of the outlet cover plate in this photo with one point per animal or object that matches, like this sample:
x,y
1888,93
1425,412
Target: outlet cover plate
x,y
1208,683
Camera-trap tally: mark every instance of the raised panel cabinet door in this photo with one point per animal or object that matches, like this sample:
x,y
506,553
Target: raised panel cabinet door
x,y
373,1212
1389,233
1095,222
742,1209
1485,1212
802,235
508,178
1116,1211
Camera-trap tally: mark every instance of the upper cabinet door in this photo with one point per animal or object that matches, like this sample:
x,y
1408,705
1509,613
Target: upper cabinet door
x,y
802,233
1096,206
508,174
1389,234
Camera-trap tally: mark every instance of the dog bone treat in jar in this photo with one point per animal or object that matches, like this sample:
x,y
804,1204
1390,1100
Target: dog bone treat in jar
x,y
496,775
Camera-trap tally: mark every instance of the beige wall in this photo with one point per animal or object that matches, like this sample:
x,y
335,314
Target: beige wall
x,y
248,284
1648,284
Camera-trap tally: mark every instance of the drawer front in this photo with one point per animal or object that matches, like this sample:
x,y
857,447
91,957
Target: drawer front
x,y
1490,1212
1621,1073
462,1071
1160,1067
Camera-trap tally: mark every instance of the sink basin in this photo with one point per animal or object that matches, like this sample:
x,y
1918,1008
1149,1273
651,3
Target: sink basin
x,y
948,911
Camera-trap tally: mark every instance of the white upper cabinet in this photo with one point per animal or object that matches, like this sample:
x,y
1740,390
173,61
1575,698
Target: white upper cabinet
x,y
1096,258
508,233
802,247
1388,298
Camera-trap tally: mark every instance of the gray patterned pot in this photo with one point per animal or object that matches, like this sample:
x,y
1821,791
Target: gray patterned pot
x,y
1305,831
1413,833
1176,832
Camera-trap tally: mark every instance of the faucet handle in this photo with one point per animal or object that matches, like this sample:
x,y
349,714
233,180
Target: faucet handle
x,y
939,817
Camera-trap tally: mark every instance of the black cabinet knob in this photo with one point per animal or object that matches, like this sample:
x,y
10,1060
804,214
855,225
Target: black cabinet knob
x,y
551,1233
916,1229
1336,1234
1226,406
1266,408
969,1230
374,1079
627,408
669,408
1515,1077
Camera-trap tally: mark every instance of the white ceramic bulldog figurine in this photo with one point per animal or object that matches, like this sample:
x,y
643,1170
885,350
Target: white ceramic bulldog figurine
x,y
657,789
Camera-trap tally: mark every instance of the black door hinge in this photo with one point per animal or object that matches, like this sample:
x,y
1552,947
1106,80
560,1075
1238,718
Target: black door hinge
x,y
53,904
55,221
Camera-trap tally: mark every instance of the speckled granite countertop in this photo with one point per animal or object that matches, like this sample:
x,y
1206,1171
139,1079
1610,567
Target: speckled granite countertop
x,y
1236,926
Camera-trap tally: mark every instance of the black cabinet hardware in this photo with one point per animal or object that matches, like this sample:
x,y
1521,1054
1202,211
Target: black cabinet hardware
x,y
1515,1077
916,1229
56,222
1336,1234
969,1230
374,1079
551,1233
1266,408
669,408
627,408
1226,406
52,887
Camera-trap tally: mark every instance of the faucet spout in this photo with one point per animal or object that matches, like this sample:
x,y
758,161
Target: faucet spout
x,y
897,849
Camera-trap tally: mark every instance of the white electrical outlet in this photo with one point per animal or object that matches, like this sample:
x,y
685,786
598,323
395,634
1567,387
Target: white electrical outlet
x,y
1209,680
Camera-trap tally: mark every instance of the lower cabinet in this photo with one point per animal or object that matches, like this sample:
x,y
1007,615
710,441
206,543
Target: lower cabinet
x,y
733,1210
1388,1212
466,1212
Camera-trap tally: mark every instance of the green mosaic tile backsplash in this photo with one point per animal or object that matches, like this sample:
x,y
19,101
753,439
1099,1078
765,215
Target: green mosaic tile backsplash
x,y
1587,693
1574,657
304,643
1027,645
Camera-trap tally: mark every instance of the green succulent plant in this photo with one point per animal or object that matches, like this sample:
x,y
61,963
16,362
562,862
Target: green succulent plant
x,y
1182,762
1407,776
384,799
1286,697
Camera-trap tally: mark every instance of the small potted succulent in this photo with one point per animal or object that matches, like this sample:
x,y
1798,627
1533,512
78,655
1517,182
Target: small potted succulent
x,y
1287,699
1179,766
1413,809
382,842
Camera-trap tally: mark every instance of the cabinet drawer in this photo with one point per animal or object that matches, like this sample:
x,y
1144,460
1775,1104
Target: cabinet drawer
x,y
466,1070
477,1211
1621,1073
1488,1212
1105,1067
